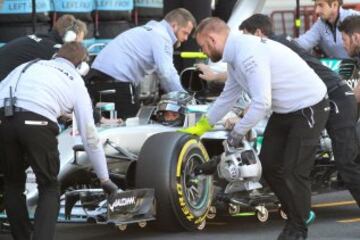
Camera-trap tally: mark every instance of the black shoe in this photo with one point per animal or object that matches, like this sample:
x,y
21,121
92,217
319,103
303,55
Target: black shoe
x,y
291,236
289,233
207,168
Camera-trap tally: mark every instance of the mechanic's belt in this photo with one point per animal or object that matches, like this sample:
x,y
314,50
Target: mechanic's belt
x,y
101,80
336,86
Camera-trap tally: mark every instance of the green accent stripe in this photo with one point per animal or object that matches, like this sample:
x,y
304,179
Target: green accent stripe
x,y
244,214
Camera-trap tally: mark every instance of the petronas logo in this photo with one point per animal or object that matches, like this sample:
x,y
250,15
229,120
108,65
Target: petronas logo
x,y
333,64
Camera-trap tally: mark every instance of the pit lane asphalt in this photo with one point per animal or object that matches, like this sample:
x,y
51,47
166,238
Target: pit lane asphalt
x,y
338,218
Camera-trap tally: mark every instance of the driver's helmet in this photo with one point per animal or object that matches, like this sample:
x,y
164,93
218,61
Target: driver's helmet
x,y
172,107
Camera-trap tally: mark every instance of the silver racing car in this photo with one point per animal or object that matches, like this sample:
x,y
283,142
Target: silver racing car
x,y
157,169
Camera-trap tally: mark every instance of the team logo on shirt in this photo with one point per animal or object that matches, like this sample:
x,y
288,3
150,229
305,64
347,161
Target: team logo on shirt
x,y
249,65
61,70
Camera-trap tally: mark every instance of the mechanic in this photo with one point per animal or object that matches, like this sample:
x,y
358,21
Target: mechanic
x,y
172,107
28,131
277,79
325,32
123,63
341,125
44,46
350,31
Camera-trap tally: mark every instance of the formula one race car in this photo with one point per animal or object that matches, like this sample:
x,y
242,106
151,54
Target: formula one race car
x,y
157,169
153,165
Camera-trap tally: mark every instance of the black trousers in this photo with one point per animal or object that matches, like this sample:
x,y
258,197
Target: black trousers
x,y
125,98
28,139
287,157
341,128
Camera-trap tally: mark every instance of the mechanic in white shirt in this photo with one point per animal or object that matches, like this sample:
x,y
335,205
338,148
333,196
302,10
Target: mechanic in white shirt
x,y
276,79
124,62
44,90
325,32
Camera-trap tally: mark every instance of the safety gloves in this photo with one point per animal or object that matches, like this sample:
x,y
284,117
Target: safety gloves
x,y
234,139
201,127
109,187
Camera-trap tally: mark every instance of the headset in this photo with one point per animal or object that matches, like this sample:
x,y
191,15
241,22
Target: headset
x,y
70,33
83,68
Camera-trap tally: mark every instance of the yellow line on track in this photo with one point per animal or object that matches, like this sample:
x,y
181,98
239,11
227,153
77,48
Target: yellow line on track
x,y
352,220
336,204
333,204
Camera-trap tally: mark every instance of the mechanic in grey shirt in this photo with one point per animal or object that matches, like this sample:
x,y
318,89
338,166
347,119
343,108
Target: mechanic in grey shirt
x,y
44,90
325,33
276,79
124,62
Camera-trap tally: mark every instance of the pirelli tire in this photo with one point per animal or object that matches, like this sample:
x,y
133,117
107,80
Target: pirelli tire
x,y
166,162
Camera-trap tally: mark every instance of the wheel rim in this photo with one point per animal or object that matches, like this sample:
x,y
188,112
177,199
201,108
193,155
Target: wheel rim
x,y
196,188
194,193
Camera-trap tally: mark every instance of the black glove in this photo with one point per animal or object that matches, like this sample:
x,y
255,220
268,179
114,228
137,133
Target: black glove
x,y
235,139
207,168
109,187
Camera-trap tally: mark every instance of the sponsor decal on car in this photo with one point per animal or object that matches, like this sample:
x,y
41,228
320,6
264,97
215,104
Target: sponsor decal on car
x,y
121,202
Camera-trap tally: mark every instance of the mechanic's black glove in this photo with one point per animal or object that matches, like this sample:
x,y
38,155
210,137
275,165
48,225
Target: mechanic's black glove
x,y
207,168
109,187
235,139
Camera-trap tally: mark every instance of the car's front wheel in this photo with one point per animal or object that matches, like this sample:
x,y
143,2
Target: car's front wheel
x,y
166,163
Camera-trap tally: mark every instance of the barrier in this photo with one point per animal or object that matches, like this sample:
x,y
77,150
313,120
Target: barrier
x,y
109,30
12,11
148,9
105,32
81,9
114,10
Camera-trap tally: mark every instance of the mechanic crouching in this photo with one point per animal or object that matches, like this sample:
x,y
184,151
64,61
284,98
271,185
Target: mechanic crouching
x,y
32,97
277,79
